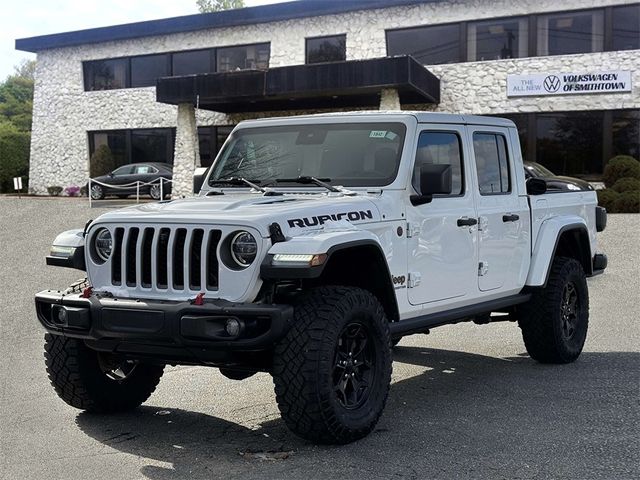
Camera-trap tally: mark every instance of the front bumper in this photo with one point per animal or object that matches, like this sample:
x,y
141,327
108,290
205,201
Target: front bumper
x,y
164,331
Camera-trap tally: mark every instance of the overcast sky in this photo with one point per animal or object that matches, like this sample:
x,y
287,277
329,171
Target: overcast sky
x,y
41,17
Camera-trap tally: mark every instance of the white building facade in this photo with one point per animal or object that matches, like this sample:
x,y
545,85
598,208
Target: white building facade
x,y
97,88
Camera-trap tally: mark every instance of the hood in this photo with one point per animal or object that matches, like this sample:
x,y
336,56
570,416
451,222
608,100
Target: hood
x,y
295,213
561,182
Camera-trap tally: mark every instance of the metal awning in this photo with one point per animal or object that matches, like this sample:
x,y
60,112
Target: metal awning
x,y
355,83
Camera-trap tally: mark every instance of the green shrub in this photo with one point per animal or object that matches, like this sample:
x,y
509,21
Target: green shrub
x,y
607,198
102,162
628,202
621,166
14,158
626,184
54,190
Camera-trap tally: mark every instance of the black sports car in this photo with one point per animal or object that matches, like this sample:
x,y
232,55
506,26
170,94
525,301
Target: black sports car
x,y
555,183
124,180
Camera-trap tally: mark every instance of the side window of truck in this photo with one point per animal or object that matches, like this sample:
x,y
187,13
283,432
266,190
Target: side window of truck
x,y
492,163
440,148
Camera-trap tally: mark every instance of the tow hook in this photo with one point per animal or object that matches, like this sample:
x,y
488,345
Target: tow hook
x,y
86,293
199,300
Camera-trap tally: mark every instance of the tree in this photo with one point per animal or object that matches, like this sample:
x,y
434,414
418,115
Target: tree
x,y
206,6
16,96
16,102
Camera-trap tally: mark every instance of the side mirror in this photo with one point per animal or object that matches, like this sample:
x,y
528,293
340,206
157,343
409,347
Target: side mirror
x,y
434,179
536,186
198,178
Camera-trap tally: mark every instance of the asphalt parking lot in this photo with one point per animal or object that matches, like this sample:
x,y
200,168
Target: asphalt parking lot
x,y
466,400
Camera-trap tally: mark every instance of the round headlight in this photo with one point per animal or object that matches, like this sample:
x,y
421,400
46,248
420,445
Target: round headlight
x,y
103,242
244,248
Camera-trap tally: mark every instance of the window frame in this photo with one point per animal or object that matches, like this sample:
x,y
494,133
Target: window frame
x,y
212,59
318,37
524,18
533,26
86,64
606,36
463,183
242,45
609,25
462,38
508,160
168,66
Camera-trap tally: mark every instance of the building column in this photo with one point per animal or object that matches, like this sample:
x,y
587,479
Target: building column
x,y
389,99
186,154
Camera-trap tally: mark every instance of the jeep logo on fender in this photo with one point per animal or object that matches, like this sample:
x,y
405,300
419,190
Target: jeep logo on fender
x,y
322,219
399,280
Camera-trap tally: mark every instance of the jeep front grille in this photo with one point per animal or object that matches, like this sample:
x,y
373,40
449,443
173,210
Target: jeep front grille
x,y
176,258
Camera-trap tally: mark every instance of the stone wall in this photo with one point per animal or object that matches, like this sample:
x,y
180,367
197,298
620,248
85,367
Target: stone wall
x,y
63,112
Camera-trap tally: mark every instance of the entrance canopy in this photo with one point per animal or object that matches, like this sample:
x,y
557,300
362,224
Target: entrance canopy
x,y
355,83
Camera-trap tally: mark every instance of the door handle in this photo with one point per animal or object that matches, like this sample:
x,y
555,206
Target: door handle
x,y
467,222
510,218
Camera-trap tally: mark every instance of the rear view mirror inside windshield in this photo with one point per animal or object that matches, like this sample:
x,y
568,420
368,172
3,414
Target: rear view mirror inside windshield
x,y
311,136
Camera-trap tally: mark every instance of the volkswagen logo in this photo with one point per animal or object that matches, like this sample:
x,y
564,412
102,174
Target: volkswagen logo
x,y
551,84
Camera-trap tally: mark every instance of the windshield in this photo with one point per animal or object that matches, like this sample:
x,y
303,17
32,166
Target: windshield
x,y
352,155
538,170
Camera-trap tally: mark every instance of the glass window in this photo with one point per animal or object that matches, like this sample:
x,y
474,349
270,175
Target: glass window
x,y
626,27
570,143
626,132
571,32
147,69
327,49
211,140
492,163
222,133
355,154
105,74
439,148
497,39
192,62
153,145
107,150
126,170
428,45
145,169
112,149
247,57
206,146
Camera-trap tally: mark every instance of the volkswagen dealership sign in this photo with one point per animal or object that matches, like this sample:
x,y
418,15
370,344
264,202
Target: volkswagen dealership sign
x,y
568,83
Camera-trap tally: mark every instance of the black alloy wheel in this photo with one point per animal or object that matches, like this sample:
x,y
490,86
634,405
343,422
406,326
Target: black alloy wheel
x,y
569,310
354,366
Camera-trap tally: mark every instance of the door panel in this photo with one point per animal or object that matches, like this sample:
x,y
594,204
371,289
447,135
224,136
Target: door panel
x,y
440,251
502,215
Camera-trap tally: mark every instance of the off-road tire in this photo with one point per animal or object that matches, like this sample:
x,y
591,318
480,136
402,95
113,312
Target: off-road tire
x,y
544,330
75,373
304,369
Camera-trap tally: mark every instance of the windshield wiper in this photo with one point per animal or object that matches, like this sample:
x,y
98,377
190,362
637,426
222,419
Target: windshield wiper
x,y
305,180
243,181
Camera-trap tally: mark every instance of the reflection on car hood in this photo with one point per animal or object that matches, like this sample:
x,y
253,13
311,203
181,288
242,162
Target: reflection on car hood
x,y
561,182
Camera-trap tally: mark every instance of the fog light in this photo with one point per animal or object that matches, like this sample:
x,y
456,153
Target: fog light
x,y
63,317
233,327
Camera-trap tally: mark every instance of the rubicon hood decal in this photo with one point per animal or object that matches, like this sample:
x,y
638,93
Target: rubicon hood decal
x,y
315,221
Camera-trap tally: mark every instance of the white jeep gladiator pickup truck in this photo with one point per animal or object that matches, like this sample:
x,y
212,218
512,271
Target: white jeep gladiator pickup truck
x,y
314,245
